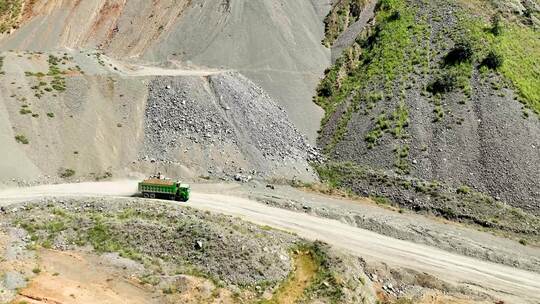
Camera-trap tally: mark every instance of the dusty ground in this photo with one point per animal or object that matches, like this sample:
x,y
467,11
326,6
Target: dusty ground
x,y
465,273
110,118
84,278
280,32
102,249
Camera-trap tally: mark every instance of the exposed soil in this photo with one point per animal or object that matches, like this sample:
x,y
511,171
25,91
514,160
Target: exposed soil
x,y
110,118
162,252
77,277
173,32
464,275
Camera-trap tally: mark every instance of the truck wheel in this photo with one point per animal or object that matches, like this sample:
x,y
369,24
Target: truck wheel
x,y
145,195
152,195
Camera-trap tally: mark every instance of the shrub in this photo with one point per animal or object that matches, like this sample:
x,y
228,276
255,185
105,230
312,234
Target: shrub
x,y
50,115
463,190
523,242
443,84
394,16
375,96
24,111
325,89
496,26
383,5
493,60
22,139
461,52
65,173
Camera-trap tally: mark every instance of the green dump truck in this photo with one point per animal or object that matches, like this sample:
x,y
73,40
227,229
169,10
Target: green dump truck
x,y
164,189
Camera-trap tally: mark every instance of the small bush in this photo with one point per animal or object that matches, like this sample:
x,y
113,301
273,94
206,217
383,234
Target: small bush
x,y
22,139
461,52
325,89
493,60
394,16
36,270
463,190
24,111
496,26
50,115
443,84
523,242
66,173
384,5
375,96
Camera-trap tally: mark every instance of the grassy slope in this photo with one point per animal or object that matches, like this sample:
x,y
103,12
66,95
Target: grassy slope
x,y
393,54
518,44
520,47
394,47
342,15
460,204
379,62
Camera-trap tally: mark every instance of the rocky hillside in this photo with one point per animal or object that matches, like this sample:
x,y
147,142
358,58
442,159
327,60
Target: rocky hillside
x,y
208,33
80,114
170,254
436,101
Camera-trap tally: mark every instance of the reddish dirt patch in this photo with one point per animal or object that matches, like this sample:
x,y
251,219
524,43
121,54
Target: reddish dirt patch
x,y
108,14
80,278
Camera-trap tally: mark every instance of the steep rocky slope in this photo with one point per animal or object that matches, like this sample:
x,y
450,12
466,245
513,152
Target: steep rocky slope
x,y
439,98
79,114
265,40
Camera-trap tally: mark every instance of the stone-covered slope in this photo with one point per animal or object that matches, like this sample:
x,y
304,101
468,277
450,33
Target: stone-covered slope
x,y
80,115
265,40
432,93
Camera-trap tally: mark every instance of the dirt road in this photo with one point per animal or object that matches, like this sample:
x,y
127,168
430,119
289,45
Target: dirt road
x,y
504,282
144,70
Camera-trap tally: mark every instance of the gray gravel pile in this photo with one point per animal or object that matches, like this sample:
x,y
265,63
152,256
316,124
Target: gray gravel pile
x,y
221,247
258,120
220,113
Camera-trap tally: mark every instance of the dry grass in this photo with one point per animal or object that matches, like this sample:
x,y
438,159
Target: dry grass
x,y
293,288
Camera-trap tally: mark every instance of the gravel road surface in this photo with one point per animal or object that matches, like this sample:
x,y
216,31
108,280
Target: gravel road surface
x,y
511,284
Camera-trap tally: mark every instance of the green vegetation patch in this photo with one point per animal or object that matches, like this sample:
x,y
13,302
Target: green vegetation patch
x,y
462,204
519,46
382,61
53,80
66,173
10,11
342,15
22,139
326,283
510,48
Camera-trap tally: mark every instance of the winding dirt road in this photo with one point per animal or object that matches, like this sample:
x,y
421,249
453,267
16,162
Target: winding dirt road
x,y
509,284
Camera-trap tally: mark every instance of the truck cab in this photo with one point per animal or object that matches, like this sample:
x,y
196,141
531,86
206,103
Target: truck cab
x,y
184,191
